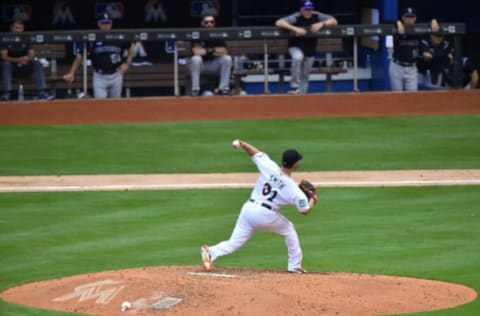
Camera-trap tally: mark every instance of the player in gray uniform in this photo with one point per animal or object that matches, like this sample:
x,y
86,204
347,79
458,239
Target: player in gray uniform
x,y
108,63
403,70
301,48
273,188
210,57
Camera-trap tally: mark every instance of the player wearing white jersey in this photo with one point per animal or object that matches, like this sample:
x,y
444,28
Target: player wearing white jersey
x,y
273,188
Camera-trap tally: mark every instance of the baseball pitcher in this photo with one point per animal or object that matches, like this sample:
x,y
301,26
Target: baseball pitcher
x,y
273,188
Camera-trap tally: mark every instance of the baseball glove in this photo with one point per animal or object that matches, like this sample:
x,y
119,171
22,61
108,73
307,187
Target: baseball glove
x,y
309,189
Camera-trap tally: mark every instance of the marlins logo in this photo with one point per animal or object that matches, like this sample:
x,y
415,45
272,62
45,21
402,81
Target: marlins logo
x,y
62,13
154,12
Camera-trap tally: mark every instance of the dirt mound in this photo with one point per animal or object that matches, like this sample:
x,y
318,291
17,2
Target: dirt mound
x,y
186,290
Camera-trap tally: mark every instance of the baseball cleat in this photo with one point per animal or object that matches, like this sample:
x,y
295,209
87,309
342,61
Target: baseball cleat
x,y
207,262
298,270
294,91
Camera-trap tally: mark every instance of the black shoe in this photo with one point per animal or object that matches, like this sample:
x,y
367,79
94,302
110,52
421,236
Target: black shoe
x,y
195,93
45,96
5,96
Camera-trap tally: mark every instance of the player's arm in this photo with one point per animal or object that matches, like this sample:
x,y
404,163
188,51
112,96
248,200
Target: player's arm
x,y
434,25
400,27
424,50
220,51
198,50
31,55
304,204
287,24
474,78
330,20
249,149
70,76
6,57
311,203
126,64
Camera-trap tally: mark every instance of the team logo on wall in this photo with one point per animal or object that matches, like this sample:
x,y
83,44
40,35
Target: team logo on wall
x,y
154,12
16,12
199,8
115,9
62,13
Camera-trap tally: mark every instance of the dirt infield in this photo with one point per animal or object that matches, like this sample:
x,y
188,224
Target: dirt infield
x,y
234,180
233,291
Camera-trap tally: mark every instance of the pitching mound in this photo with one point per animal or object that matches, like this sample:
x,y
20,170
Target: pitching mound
x,y
231,291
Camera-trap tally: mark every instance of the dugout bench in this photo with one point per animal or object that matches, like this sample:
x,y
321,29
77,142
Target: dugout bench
x,y
271,51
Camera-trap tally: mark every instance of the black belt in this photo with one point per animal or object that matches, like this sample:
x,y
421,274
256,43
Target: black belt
x,y
106,71
403,64
265,205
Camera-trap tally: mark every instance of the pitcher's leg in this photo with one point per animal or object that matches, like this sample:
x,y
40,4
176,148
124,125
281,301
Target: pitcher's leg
x,y
295,255
240,235
281,225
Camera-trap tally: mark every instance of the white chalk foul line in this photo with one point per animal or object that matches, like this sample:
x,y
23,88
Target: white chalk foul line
x,y
230,185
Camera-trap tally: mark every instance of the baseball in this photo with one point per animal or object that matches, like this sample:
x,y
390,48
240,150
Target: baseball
x,y
236,144
126,305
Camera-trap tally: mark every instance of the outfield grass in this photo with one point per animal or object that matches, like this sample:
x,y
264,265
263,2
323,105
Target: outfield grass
x,y
429,232
421,142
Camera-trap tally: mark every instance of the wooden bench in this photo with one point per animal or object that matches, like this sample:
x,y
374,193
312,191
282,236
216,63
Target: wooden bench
x,y
155,75
279,47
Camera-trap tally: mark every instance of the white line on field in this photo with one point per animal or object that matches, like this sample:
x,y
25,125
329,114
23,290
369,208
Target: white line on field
x,y
230,185
210,274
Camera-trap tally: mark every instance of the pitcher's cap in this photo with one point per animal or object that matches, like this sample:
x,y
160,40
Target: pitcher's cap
x,y
290,157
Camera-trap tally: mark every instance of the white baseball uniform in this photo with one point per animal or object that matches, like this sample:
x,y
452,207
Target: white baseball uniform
x,y
272,189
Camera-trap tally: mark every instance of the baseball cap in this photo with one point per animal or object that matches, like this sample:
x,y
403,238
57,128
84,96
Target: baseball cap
x,y
307,5
289,157
409,13
105,18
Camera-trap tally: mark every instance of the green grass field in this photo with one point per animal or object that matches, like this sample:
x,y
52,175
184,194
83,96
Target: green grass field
x,y
426,232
